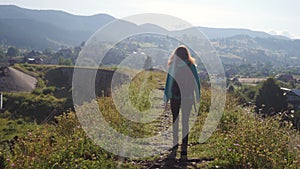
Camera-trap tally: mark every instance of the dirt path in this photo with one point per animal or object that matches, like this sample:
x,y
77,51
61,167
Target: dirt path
x,y
16,81
163,162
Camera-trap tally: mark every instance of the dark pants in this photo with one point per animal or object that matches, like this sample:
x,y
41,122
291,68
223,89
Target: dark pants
x,y
186,106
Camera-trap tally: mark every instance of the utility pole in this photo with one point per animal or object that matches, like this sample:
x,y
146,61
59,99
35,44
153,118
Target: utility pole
x,y
1,101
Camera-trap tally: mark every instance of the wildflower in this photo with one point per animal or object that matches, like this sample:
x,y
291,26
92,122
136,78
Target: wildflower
x,y
236,144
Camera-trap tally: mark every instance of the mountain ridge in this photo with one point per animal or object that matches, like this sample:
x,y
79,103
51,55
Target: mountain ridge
x,y
58,28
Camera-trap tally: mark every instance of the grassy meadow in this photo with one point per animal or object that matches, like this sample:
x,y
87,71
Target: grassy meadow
x,y
241,140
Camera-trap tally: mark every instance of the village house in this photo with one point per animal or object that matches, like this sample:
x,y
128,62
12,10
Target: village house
x,y
285,78
293,97
34,60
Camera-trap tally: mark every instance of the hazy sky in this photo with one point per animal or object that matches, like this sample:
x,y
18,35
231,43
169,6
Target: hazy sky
x,y
275,16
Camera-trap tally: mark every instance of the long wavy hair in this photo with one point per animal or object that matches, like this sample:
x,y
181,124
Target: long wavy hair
x,y
183,53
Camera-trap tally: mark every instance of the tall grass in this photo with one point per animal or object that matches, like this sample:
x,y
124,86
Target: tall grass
x,y
242,139
246,140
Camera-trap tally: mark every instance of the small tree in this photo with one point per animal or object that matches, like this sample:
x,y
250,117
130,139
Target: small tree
x,y
63,61
148,63
48,52
12,51
270,98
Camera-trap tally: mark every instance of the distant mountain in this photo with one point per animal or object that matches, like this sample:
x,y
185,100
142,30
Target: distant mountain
x,y
58,19
243,48
216,33
37,35
153,28
40,29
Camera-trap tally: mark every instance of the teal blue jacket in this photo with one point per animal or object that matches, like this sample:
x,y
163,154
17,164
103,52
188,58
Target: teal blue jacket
x,y
169,82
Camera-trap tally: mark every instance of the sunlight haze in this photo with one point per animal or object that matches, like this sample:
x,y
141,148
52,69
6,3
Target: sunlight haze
x,y
275,17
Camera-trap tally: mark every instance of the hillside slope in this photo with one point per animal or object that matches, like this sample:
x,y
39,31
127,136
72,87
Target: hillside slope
x,y
40,29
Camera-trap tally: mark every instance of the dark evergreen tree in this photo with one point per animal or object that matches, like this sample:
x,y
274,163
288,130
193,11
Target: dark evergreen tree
x,y
270,98
12,51
148,63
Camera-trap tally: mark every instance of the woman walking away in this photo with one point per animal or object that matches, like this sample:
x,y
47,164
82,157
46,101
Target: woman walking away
x,y
181,85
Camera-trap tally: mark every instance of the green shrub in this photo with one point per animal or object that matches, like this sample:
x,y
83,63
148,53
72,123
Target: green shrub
x,y
48,90
2,161
251,142
35,107
37,91
40,83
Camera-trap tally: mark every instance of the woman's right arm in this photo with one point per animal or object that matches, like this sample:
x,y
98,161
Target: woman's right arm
x,y
168,85
167,89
